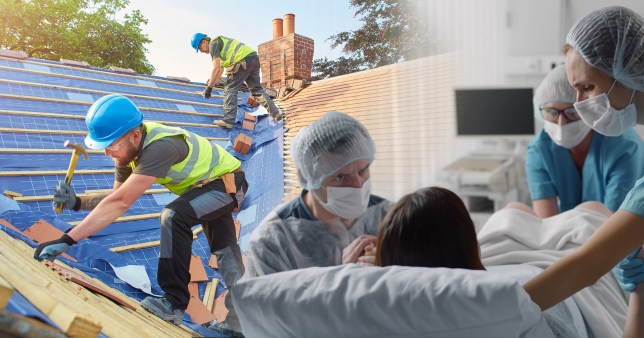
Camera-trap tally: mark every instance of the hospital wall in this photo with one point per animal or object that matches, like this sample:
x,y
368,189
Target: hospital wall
x,y
491,44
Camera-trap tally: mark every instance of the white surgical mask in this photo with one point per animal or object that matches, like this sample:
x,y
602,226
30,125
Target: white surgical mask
x,y
598,114
347,202
569,135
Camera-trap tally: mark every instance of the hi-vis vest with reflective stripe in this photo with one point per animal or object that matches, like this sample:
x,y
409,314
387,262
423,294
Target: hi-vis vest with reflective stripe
x,y
232,51
204,160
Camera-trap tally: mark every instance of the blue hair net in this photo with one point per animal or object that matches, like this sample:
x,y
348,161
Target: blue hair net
x,y
611,39
327,145
553,88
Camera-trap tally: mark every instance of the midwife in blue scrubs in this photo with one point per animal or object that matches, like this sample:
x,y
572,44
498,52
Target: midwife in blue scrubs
x,y
568,163
605,63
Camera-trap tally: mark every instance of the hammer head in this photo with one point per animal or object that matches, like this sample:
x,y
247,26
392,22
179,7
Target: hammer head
x,y
77,148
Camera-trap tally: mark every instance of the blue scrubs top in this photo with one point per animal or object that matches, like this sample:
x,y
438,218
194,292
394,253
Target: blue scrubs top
x,y
634,201
610,170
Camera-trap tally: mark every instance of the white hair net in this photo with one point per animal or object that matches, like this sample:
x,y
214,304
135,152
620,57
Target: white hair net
x,y
553,88
327,145
612,40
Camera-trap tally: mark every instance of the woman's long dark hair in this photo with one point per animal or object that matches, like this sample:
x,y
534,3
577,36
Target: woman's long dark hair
x,y
430,228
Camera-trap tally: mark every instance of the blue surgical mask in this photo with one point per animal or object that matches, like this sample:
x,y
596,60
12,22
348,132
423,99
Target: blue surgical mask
x,y
598,114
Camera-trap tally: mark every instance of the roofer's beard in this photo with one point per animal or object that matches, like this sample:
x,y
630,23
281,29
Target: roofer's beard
x,y
130,153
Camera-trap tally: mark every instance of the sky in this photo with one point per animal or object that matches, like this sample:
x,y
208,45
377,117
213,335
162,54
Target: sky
x,y
172,23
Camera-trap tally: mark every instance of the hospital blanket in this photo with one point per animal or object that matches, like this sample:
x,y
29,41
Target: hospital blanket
x,y
512,236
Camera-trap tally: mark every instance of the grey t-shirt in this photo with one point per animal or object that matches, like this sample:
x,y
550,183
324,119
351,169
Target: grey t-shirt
x,y
156,159
215,48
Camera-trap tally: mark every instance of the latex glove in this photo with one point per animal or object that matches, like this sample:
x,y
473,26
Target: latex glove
x,y
65,194
353,251
629,272
206,92
52,249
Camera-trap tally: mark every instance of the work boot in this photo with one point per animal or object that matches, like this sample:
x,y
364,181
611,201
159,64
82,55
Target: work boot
x,y
222,124
163,309
224,328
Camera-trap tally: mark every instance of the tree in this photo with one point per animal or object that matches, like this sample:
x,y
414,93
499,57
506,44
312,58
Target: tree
x,y
82,30
325,68
392,31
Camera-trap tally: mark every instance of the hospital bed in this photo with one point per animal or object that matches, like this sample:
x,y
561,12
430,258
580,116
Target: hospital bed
x,y
356,301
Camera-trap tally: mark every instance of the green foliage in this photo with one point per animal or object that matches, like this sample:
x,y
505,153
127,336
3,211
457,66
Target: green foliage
x,y
82,30
392,31
325,68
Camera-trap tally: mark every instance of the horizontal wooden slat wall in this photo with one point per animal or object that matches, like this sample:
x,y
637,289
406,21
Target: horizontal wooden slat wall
x,y
408,109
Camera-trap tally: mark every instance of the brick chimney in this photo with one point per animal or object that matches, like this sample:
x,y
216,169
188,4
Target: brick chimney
x,y
288,56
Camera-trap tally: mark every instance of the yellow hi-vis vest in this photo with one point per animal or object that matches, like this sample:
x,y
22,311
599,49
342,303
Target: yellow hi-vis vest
x,y
204,160
232,51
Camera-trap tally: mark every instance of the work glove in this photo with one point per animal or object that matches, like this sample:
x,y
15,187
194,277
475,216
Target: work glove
x,y
52,249
629,272
65,194
206,92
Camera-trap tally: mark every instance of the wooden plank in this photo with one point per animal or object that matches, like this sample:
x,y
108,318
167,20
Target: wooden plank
x,y
102,92
149,191
128,218
71,322
82,117
86,194
206,293
43,151
213,292
88,283
75,77
100,71
138,246
150,244
5,293
115,320
54,172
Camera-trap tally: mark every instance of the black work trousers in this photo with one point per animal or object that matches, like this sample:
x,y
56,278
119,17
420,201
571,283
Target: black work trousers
x,y
211,207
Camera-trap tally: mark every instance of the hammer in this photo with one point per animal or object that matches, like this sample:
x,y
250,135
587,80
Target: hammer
x,y
78,149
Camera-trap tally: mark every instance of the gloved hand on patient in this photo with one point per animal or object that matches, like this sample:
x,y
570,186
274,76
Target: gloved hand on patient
x,y
361,251
629,272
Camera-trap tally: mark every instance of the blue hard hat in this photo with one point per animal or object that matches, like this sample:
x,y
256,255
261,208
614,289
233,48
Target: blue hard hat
x,y
109,118
196,40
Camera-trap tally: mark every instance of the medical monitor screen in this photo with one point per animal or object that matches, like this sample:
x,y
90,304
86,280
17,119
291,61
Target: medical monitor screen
x,y
504,111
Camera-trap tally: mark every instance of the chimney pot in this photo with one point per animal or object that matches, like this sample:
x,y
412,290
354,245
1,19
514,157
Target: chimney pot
x,y
289,23
277,28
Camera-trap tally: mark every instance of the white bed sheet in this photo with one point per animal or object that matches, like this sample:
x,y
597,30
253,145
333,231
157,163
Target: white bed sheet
x,y
511,236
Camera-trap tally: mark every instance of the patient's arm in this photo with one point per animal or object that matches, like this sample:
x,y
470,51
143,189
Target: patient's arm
x,y
546,207
617,237
635,320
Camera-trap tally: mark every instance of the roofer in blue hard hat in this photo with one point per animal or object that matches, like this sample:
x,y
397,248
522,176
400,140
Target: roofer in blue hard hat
x,y
209,181
242,65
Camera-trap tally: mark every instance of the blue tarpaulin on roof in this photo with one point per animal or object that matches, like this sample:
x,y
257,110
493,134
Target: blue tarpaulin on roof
x,y
31,85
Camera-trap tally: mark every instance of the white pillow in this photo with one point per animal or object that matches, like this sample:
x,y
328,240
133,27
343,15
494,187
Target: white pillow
x,y
357,301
